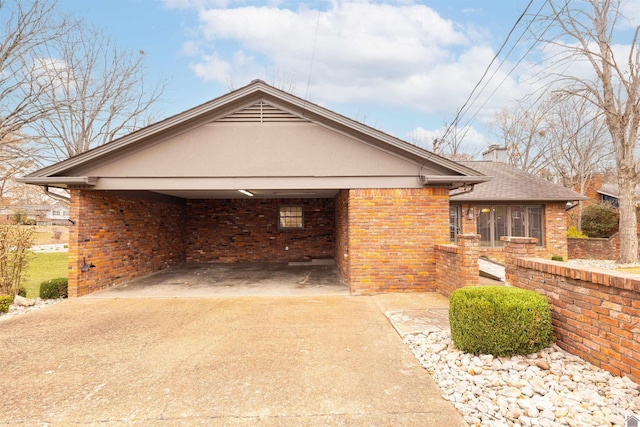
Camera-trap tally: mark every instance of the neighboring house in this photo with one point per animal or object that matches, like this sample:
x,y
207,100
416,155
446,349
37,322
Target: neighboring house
x,y
47,214
258,175
513,203
38,214
609,193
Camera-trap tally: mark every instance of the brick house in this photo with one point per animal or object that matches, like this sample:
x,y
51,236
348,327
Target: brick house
x,y
258,175
514,203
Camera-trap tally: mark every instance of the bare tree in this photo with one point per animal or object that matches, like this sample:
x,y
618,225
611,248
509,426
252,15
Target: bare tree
x,y
14,159
97,91
585,35
581,144
524,131
27,28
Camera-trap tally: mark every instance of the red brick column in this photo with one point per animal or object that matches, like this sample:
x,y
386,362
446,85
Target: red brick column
x,y
516,247
457,265
391,238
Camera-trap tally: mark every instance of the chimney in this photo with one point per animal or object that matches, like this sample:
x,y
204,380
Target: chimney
x,y
495,153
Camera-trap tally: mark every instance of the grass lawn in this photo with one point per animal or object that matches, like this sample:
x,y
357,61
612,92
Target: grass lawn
x,y
44,266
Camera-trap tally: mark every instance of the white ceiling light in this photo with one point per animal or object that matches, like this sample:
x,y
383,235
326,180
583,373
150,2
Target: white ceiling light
x,y
246,193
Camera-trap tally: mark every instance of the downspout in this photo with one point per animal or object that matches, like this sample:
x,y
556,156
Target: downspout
x,y
56,196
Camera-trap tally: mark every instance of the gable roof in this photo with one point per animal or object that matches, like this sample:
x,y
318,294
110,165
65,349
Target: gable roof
x,y
512,184
611,190
256,103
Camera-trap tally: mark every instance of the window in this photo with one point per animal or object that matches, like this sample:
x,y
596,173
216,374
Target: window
x,y
454,222
290,217
495,221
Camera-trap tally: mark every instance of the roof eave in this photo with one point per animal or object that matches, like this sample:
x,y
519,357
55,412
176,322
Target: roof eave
x,y
60,181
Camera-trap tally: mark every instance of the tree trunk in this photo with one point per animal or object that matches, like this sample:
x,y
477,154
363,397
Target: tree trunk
x,y
628,220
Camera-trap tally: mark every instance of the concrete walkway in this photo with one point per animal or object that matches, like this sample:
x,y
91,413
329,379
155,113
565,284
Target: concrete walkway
x,y
491,269
307,360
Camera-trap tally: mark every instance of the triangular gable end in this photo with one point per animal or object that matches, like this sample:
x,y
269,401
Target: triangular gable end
x,y
255,137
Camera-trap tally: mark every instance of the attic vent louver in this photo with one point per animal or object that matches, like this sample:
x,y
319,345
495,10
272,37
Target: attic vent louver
x,y
261,112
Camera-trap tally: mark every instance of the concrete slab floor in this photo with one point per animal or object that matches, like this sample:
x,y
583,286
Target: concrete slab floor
x,y
237,279
273,361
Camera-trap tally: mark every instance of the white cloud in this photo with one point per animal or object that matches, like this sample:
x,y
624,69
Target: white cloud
x,y
385,54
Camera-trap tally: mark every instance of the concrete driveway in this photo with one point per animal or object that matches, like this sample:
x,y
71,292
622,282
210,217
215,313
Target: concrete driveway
x,y
307,360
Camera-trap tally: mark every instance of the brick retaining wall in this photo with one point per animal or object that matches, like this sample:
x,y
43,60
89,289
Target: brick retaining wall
x,y
596,313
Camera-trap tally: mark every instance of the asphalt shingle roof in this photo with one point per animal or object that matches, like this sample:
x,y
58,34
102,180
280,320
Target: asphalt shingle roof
x,y
512,184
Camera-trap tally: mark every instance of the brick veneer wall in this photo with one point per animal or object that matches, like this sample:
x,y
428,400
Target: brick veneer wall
x,y
392,233
342,233
123,237
457,265
246,230
596,313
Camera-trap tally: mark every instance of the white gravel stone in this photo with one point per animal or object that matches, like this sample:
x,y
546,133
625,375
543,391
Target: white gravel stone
x,y
519,391
15,310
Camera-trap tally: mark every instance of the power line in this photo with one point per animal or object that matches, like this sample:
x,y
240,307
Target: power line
x,y
457,117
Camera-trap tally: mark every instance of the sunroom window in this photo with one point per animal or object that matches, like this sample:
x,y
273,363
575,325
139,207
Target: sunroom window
x,y
495,221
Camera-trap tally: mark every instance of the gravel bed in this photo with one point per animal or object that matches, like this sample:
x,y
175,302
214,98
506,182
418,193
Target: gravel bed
x,y
548,388
598,263
15,310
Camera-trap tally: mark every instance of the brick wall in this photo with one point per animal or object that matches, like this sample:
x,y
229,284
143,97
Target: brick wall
x,y
342,233
457,265
594,248
392,233
596,313
123,237
246,230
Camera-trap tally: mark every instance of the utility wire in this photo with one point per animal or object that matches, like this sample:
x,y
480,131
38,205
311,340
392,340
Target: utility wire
x,y
456,119
536,41
313,55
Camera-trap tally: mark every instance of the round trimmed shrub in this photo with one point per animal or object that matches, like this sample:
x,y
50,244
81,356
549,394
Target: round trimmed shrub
x,y
54,288
499,320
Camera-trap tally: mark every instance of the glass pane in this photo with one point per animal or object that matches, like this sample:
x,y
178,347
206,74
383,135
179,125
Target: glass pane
x,y
518,228
454,222
291,217
536,221
500,224
484,225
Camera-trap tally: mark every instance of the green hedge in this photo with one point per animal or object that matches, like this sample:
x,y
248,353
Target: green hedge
x,y
5,302
499,320
54,288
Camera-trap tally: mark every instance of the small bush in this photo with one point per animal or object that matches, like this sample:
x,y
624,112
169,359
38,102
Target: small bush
x,y
600,220
557,258
5,302
22,291
573,232
499,320
54,288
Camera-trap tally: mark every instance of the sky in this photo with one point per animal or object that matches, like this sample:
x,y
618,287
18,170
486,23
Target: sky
x,y
405,67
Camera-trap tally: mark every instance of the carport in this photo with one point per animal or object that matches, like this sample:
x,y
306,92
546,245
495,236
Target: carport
x,y
257,176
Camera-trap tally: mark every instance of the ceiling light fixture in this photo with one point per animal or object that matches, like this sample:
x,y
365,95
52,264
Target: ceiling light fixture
x,y
246,193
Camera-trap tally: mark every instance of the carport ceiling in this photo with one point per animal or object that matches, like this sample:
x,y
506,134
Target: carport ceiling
x,y
257,194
